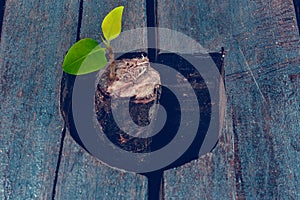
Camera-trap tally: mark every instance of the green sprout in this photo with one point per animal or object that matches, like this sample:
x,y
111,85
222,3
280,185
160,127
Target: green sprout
x,y
87,56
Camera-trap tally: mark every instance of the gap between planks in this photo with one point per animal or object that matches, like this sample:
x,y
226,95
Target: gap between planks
x,y
63,134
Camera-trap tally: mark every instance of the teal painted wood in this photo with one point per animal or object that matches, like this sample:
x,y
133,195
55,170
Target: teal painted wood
x,y
82,176
258,153
34,39
134,16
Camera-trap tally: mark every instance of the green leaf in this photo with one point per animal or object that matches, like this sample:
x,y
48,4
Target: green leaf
x,y
111,25
84,57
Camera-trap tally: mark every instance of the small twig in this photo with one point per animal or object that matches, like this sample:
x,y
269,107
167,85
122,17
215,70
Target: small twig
x,y
111,58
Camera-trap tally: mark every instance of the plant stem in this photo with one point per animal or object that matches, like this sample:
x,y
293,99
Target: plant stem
x,y
111,58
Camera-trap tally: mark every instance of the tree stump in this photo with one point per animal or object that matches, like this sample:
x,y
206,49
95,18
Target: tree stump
x,y
133,94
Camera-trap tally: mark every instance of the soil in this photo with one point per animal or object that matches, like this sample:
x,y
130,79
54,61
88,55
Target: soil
x,y
141,87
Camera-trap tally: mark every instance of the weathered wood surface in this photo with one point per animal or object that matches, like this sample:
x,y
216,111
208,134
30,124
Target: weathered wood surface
x,y
34,40
258,153
258,156
82,176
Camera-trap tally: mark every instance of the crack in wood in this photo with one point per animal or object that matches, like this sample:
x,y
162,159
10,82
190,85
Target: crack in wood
x,y
63,135
156,185
80,11
251,73
151,13
297,10
2,9
262,71
155,179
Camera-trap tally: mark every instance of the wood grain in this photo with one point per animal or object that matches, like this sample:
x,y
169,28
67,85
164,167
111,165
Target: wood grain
x,y
257,156
34,39
82,176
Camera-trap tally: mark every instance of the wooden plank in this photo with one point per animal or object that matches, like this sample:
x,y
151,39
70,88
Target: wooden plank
x,y
257,156
34,39
82,176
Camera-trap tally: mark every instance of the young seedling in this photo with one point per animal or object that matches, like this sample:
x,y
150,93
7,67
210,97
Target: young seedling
x,y
87,55
128,77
